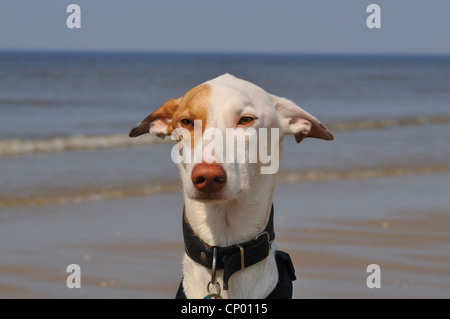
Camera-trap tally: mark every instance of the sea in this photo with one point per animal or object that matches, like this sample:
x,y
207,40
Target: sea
x,y
65,116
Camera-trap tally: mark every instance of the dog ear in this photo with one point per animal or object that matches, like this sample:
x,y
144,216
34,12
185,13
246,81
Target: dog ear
x,y
297,121
158,123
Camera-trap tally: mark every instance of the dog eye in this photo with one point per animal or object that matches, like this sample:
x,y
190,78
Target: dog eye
x,y
245,120
187,122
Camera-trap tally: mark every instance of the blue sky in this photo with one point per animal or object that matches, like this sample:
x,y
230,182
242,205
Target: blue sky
x,y
239,26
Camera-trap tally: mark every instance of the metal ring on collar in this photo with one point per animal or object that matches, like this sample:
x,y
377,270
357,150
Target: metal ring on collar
x,y
219,290
264,233
270,241
213,267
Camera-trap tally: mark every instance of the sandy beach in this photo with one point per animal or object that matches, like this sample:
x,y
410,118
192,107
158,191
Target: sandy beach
x,y
132,248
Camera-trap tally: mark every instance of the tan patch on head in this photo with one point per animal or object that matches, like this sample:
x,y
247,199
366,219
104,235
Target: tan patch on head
x,y
193,106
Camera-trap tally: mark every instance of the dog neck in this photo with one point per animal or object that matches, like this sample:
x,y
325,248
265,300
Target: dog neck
x,y
225,223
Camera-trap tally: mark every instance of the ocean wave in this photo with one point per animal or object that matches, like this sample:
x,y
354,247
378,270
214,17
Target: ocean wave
x,y
361,173
78,142
388,123
90,195
12,147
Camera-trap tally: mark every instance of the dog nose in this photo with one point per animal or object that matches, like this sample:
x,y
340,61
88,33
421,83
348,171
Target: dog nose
x,y
208,178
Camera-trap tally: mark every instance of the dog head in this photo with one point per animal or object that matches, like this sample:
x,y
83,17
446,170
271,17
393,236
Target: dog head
x,y
228,132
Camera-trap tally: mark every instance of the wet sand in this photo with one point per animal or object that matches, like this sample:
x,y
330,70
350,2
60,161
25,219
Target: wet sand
x,y
132,247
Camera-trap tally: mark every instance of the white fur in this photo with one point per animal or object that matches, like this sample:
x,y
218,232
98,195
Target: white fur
x,y
245,211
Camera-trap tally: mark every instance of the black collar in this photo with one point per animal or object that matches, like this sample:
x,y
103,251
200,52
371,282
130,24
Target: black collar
x,y
283,289
231,258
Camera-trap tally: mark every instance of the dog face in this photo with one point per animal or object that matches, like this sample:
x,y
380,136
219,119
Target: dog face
x,y
228,132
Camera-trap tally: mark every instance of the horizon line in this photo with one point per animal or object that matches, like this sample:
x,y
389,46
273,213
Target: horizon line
x,y
221,53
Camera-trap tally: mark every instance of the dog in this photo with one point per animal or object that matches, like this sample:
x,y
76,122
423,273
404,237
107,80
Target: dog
x,y
228,213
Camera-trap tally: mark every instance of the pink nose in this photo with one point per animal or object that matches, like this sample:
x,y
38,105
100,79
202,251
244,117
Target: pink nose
x,y
208,178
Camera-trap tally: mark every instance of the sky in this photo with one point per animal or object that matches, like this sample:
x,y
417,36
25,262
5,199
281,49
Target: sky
x,y
231,26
